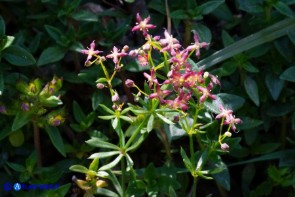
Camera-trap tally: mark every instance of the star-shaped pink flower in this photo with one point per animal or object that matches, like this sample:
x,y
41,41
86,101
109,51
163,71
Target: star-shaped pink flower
x,y
116,54
197,45
90,52
142,25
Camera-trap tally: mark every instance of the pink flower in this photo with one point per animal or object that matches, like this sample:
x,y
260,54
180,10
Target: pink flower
x,y
142,25
225,113
180,102
151,78
206,92
197,45
90,52
116,54
169,43
231,121
159,94
143,59
25,107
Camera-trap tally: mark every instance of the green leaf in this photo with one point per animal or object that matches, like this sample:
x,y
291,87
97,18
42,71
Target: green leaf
x,y
227,39
84,15
266,35
150,123
1,83
96,142
112,164
291,35
78,112
250,68
51,101
172,192
60,191
293,121
288,74
285,48
249,123
79,168
274,85
265,148
164,119
213,105
5,42
179,14
210,6
187,162
283,9
227,68
231,101
202,160
16,167
280,109
101,155
16,138
56,139
252,90
203,32
106,109
21,119
96,99
54,33
51,55
115,182
18,56
106,192
2,27
223,177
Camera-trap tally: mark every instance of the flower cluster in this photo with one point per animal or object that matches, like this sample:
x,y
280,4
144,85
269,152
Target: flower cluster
x,y
182,84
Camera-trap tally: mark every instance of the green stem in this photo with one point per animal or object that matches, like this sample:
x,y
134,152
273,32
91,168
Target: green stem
x,y
136,132
37,144
123,178
194,192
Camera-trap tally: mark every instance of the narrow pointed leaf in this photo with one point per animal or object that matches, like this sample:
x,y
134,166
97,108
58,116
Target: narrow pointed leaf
x,y
165,119
21,119
274,85
101,155
112,164
288,74
252,90
284,9
115,182
266,35
106,192
51,55
106,109
56,139
186,160
78,112
150,123
79,168
96,142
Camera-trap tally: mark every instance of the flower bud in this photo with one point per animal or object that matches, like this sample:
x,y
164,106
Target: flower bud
x,y
206,75
129,83
224,147
2,109
25,107
115,97
88,63
227,134
125,49
146,47
100,85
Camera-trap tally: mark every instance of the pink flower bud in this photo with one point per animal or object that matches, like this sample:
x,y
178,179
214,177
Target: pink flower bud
x,y
224,147
129,83
100,86
115,97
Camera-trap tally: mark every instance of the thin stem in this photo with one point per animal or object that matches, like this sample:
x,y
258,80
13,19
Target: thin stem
x,y
168,17
37,144
136,132
194,192
187,32
166,144
123,177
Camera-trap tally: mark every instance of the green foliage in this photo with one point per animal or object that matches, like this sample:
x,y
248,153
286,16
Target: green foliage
x,y
55,121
